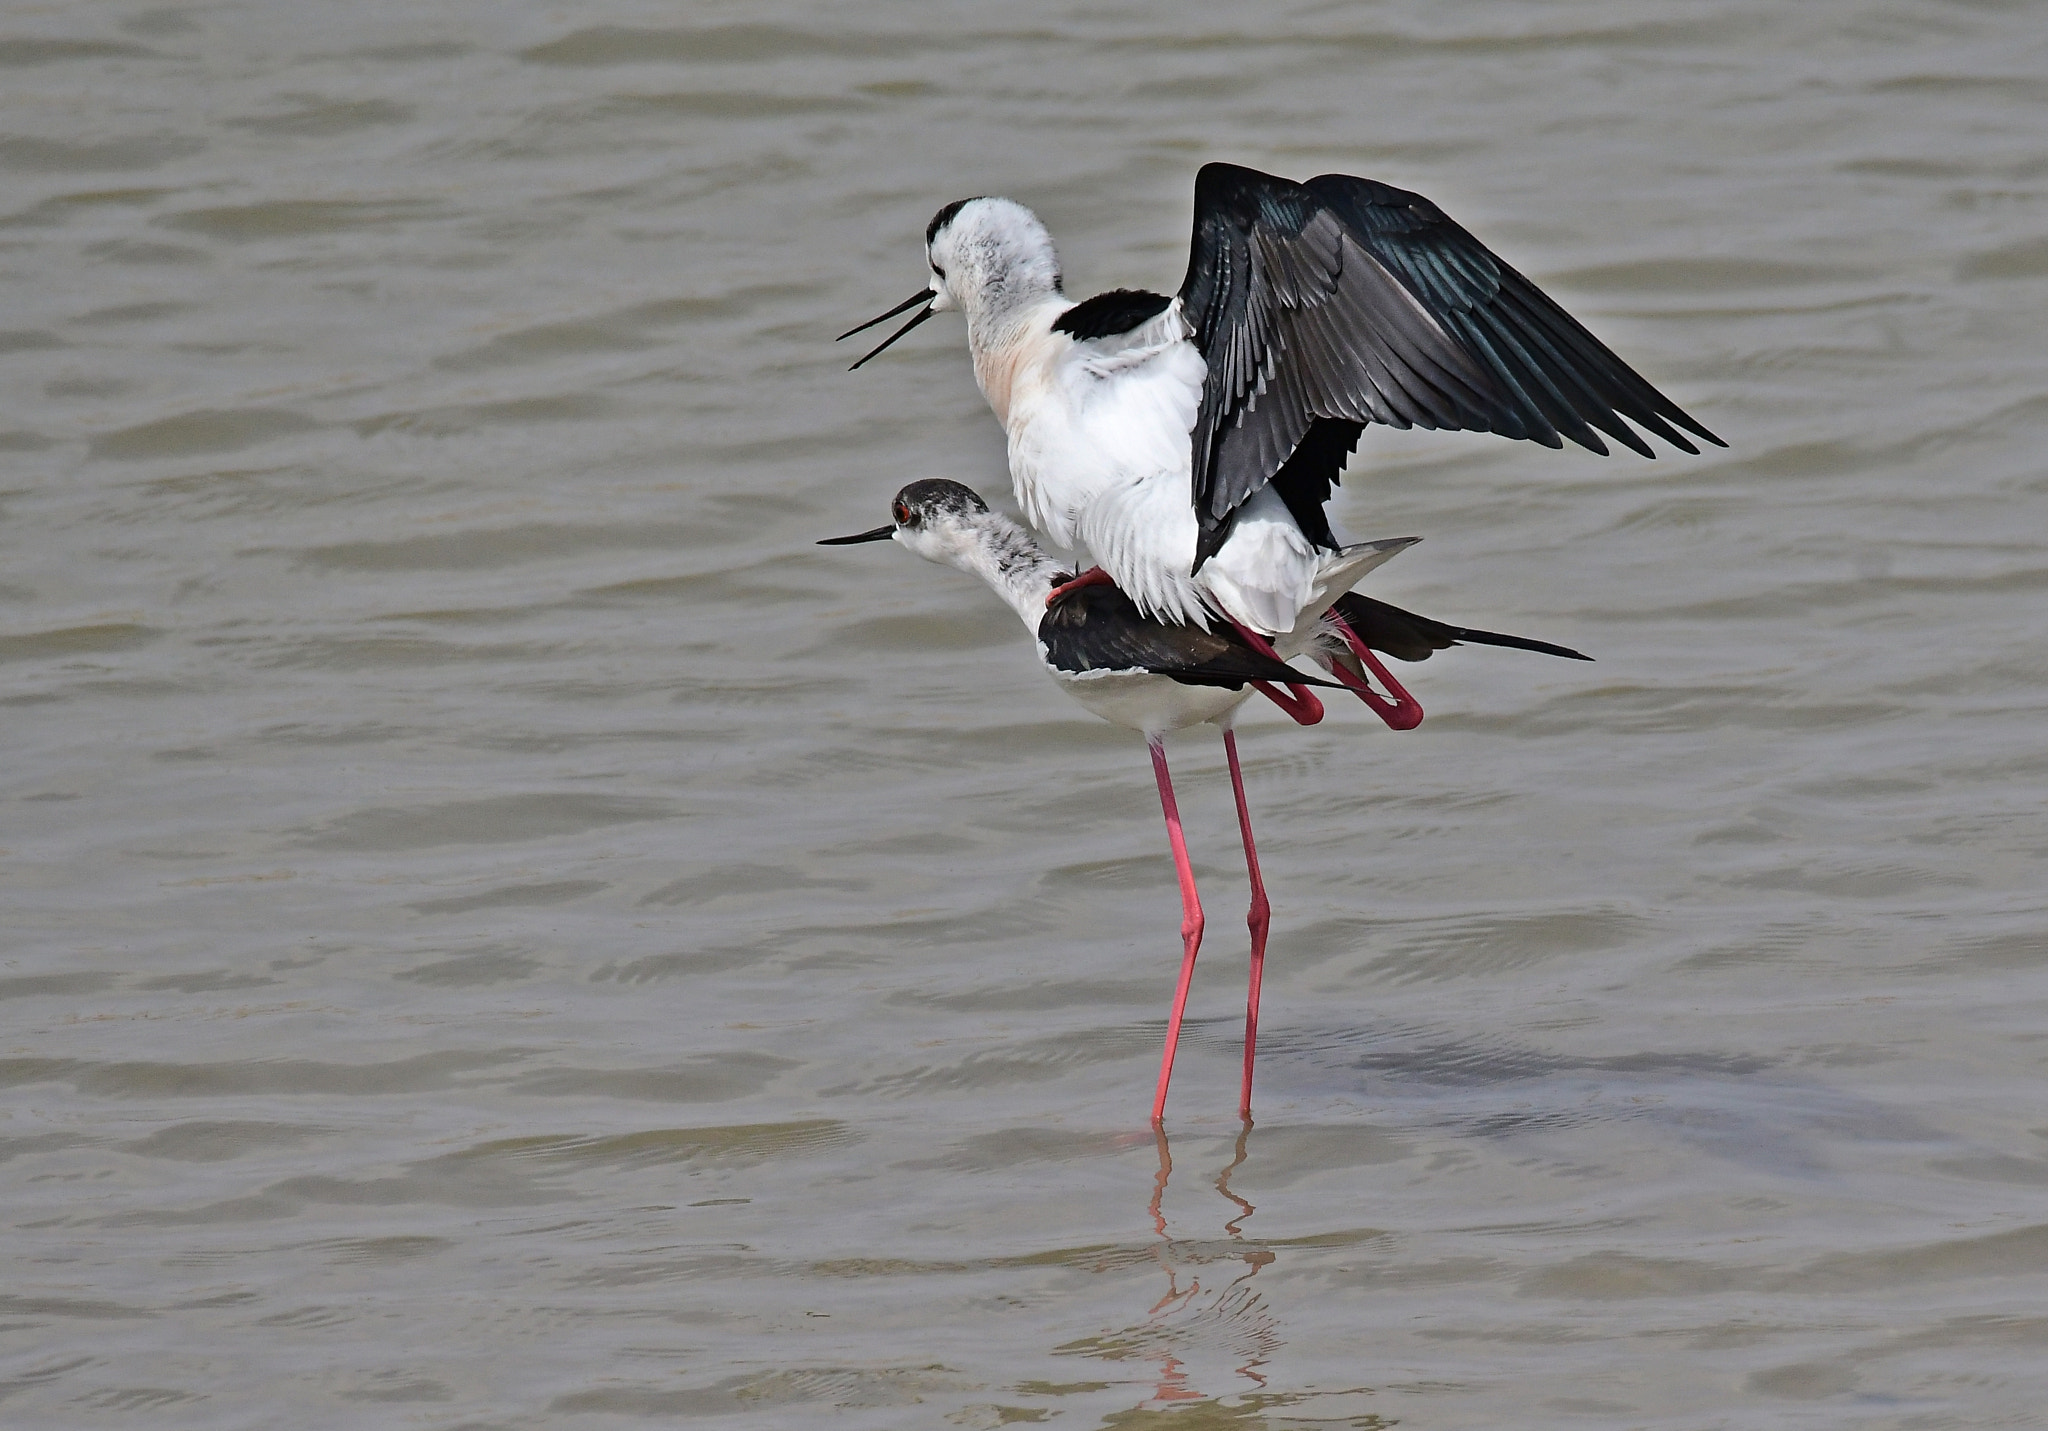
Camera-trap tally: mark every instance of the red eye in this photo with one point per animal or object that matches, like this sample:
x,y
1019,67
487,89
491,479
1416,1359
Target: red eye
x,y
901,512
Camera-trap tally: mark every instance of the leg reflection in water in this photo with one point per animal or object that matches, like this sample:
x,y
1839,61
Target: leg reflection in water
x,y
1197,1324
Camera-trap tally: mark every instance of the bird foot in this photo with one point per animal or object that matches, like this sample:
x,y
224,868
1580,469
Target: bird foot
x,y
1302,706
1094,576
1397,708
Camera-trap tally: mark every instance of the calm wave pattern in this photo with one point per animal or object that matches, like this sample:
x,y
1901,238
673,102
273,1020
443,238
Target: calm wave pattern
x,y
503,932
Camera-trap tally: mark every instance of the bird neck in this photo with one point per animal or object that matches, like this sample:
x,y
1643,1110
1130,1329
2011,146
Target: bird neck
x,y
1010,343
1015,567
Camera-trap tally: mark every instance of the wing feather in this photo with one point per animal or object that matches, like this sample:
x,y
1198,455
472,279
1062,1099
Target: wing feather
x,y
1350,301
1099,628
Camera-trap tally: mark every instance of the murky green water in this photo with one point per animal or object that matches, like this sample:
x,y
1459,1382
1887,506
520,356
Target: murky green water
x,y
502,932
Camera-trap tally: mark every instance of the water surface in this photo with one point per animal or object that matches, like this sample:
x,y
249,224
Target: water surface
x,y
503,932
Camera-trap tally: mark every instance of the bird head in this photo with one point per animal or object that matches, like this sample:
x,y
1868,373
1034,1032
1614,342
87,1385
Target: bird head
x,y
939,520
987,257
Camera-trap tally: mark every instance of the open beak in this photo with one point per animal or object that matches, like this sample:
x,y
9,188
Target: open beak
x,y
879,534
923,296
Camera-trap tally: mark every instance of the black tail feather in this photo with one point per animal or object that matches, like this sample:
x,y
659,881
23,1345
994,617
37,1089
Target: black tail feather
x,y
1408,637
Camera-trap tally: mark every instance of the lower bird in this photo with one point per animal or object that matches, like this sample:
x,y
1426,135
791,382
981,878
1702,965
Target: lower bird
x,y
1153,676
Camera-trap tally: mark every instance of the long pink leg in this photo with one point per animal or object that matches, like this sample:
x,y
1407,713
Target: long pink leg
x,y
1259,919
1190,922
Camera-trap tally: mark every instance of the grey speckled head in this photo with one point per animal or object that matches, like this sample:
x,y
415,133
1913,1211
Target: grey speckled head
x,y
947,523
933,504
921,501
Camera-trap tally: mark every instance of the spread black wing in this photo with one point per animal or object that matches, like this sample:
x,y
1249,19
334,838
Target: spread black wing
x,y
1325,306
1408,637
1098,628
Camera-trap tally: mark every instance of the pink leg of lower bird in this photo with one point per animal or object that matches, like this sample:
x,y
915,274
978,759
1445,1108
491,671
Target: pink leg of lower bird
x,y
1094,576
1190,922
1259,919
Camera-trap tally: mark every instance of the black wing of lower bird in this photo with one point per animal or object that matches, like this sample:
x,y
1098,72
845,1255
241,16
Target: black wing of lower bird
x,y
1408,637
1322,307
1098,628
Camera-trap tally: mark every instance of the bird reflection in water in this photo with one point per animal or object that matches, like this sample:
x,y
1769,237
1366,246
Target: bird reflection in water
x,y
1196,1320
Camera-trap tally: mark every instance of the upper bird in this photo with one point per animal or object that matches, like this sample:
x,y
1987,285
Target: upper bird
x,y
1190,442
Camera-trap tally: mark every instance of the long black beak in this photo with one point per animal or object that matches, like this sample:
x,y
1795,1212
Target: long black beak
x,y
879,534
924,297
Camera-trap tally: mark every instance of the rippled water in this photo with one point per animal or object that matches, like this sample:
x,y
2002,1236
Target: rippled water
x,y
503,932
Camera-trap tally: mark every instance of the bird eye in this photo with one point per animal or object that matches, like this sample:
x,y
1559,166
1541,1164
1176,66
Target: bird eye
x,y
901,512
938,273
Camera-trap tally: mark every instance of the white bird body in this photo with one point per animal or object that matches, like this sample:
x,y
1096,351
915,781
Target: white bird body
x,y
1099,430
1086,416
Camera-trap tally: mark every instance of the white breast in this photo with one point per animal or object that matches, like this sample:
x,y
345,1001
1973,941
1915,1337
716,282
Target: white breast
x,y
1097,414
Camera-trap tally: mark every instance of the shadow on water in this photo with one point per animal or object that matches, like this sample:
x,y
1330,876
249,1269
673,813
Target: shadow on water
x,y
1738,1107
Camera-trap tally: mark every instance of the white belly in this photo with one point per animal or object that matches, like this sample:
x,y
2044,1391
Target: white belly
x,y
1141,701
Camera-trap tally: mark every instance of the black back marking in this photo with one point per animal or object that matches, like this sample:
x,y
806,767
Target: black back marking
x,y
1107,314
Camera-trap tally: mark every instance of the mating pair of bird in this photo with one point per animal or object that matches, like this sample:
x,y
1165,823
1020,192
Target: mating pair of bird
x,y
1190,443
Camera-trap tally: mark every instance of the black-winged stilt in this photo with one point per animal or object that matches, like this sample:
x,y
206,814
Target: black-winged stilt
x,y
1308,311
1154,676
